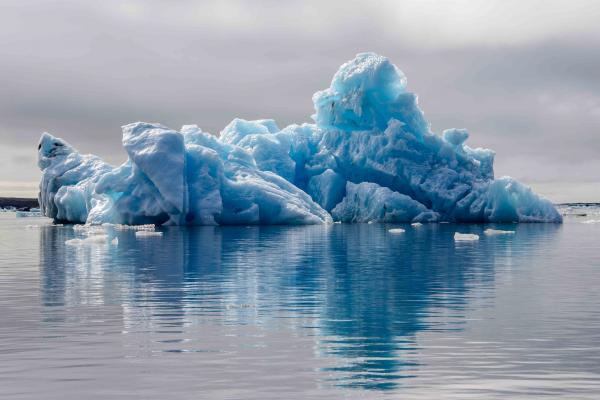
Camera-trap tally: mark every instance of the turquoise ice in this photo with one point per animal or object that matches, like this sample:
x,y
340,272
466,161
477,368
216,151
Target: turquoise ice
x,y
369,156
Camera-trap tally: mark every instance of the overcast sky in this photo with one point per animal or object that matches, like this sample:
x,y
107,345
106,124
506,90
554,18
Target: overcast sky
x,y
523,76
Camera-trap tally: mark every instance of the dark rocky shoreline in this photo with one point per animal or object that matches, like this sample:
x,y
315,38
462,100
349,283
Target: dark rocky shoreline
x,y
23,204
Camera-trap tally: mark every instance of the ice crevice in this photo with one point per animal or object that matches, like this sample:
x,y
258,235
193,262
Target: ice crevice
x,y
369,156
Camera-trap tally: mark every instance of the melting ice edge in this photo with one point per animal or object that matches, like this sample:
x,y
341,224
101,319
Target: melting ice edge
x,y
369,156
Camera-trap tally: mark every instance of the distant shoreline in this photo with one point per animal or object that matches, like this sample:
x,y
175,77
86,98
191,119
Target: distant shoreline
x,y
18,202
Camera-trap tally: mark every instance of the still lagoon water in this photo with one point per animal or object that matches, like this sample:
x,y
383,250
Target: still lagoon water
x,y
340,311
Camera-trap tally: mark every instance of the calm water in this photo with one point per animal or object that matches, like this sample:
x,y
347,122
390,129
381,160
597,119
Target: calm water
x,y
343,311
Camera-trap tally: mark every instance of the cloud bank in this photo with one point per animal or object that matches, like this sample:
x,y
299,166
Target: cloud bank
x,y
522,76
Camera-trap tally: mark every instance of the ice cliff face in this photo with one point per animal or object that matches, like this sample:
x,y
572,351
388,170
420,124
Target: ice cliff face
x,y
370,156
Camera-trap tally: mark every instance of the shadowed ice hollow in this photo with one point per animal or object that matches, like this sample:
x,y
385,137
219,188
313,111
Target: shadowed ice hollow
x,y
370,156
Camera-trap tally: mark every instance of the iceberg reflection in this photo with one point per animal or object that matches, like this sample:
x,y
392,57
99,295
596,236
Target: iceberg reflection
x,y
361,294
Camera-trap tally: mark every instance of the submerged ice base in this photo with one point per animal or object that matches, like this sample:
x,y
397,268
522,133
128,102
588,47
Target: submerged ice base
x,y
369,157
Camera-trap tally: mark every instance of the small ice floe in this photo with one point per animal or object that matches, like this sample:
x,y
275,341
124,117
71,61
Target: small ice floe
x,y
493,232
337,222
396,230
591,221
144,234
95,232
91,240
90,230
114,242
82,228
416,224
137,228
465,237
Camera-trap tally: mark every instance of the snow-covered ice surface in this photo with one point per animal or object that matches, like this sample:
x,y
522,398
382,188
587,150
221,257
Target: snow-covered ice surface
x,y
370,156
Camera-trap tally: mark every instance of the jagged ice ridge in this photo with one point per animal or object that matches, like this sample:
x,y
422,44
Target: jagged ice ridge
x,y
369,157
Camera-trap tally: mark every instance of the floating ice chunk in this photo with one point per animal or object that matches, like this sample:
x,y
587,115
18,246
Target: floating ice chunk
x,y
89,230
396,230
591,221
370,156
115,241
91,240
94,232
465,237
144,234
491,232
416,224
146,227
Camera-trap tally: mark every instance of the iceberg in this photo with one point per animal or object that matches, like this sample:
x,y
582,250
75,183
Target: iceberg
x,y
369,156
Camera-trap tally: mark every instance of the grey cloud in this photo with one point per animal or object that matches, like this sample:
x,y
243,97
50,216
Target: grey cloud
x,y
82,69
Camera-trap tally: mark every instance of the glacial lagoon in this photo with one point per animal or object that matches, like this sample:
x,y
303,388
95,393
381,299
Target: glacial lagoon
x,y
306,312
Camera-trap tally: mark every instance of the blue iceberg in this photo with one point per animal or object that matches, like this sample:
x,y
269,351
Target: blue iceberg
x,y
370,156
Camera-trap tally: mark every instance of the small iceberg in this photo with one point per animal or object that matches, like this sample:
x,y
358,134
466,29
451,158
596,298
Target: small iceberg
x,y
91,240
416,224
396,231
145,234
493,232
146,227
465,237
